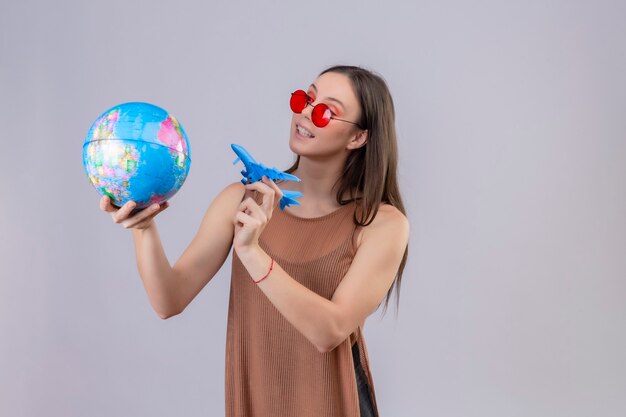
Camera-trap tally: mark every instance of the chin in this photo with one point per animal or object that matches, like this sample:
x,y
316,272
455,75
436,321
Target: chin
x,y
294,147
292,140
298,148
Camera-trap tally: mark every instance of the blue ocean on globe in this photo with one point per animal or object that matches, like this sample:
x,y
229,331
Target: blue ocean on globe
x,y
136,151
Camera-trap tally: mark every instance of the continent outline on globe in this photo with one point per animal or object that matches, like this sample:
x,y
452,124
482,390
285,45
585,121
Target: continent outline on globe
x,y
136,151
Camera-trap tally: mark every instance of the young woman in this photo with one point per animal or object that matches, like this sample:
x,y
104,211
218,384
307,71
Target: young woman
x,y
304,279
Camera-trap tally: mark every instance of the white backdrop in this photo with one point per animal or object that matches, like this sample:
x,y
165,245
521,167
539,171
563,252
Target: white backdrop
x,y
511,128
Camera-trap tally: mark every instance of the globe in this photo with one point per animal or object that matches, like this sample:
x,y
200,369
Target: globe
x,y
136,151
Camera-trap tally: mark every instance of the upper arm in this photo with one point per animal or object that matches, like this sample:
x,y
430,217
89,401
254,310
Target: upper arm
x,y
372,271
209,248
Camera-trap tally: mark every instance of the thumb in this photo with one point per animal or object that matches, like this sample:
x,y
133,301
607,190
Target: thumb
x,y
248,193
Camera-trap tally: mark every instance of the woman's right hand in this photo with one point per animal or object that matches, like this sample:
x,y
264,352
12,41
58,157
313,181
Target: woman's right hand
x,y
140,220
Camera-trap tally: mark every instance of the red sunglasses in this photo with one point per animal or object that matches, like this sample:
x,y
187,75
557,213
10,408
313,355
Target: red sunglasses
x,y
321,114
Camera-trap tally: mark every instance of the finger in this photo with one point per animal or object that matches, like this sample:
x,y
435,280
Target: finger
x,y
259,186
146,221
123,212
142,224
250,207
279,192
268,193
243,219
248,201
256,211
248,193
144,216
105,204
243,206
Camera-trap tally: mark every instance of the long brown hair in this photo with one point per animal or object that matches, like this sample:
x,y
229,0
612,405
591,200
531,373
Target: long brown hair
x,y
370,173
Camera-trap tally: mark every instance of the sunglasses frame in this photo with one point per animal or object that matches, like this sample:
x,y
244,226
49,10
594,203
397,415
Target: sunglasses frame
x,y
322,106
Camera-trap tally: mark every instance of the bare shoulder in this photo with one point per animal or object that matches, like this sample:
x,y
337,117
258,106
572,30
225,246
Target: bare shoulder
x,y
234,190
231,195
389,223
390,216
223,206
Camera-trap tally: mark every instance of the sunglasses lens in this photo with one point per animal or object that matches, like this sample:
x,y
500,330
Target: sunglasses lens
x,y
298,101
320,116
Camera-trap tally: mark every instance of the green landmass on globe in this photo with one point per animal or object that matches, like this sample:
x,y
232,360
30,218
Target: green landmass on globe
x,y
136,151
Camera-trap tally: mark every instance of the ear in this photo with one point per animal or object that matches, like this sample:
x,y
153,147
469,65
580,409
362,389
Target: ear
x,y
358,141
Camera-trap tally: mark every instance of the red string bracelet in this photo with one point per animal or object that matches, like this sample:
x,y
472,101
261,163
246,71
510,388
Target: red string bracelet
x,y
268,272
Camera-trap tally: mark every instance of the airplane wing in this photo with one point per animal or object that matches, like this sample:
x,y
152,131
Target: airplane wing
x,y
289,198
254,171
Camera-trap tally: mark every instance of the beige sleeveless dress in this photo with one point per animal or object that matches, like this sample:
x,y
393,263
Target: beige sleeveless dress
x,y
272,370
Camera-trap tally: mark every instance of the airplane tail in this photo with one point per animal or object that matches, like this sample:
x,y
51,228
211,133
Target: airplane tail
x,y
289,198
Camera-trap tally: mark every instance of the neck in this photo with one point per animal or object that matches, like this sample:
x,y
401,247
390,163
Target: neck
x,y
318,177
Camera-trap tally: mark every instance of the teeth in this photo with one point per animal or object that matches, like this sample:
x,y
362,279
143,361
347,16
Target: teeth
x,y
304,132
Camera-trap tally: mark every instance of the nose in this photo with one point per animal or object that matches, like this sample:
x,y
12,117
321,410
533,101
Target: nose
x,y
306,112
308,109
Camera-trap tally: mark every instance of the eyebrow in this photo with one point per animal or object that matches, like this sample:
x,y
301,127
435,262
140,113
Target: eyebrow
x,y
329,98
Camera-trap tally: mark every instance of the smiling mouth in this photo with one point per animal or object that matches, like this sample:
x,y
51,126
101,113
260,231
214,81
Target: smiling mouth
x,y
303,132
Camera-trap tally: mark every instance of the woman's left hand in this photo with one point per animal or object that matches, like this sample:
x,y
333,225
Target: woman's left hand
x,y
251,218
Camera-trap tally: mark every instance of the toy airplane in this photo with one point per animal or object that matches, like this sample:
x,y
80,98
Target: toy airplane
x,y
255,171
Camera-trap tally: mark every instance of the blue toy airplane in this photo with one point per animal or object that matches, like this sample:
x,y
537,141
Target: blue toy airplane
x,y
255,171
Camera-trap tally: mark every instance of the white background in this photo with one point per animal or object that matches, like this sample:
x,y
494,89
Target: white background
x,y
511,123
